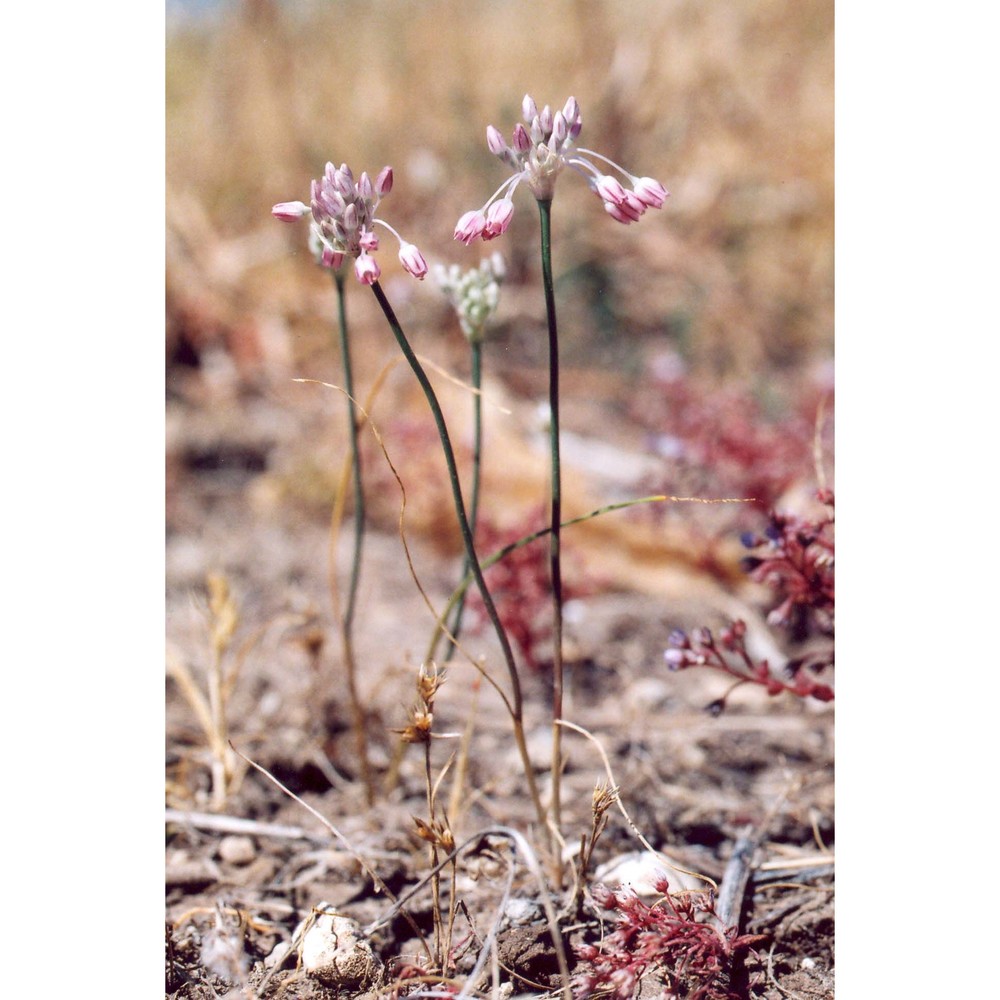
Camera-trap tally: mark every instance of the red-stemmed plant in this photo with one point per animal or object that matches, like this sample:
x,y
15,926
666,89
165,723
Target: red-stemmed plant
x,y
677,938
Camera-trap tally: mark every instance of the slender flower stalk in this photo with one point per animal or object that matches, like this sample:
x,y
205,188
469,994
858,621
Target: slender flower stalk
x,y
517,710
343,220
347,621
541,148
555,564
474,294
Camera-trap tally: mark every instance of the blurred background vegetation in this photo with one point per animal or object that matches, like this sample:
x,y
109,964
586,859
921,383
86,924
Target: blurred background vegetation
x,y
729,105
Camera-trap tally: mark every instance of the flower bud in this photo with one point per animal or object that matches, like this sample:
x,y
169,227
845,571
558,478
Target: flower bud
x,y
412,260
545,120
498,218
678,637
702,636
330,258
366,270
560,130
470,226
676,659
383,183
522,141
609,189
495,141
617,214
632,206
528,108
650,192
290,211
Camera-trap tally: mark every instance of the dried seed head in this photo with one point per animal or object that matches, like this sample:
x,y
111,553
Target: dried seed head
x,y
225,615
429,679
419,729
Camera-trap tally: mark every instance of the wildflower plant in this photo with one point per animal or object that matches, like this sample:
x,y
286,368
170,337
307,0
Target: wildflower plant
x,y
542,146
795,557
474,295
343,219
678,939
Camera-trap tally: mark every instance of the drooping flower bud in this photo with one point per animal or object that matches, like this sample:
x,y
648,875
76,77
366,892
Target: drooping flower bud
x,y
366,269
650,192
498,218
469,227
412,260
609,189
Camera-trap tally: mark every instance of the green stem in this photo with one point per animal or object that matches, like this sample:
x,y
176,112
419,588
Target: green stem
x,y
477,451
501,554
347,623
517,716
545,213
359,493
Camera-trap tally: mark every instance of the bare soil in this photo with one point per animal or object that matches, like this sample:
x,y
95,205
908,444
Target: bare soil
x,y
250,474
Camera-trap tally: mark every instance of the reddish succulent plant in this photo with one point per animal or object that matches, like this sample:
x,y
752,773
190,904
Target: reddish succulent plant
x,y
795,557
677,938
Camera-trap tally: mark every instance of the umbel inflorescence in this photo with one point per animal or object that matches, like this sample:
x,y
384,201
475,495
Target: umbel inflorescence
x,y
540,149
474,293
343,222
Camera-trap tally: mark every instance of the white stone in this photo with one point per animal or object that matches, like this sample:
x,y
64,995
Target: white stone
x,y
640,870
237,850
336,953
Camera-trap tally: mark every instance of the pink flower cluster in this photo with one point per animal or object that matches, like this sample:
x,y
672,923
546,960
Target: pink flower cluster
x,y
343,221
540,149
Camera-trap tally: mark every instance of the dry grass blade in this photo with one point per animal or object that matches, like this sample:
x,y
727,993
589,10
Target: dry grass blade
x,y
439,618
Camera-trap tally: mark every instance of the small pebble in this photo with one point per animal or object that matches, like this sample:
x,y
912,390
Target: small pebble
x,y
237,850
522,911
336,953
